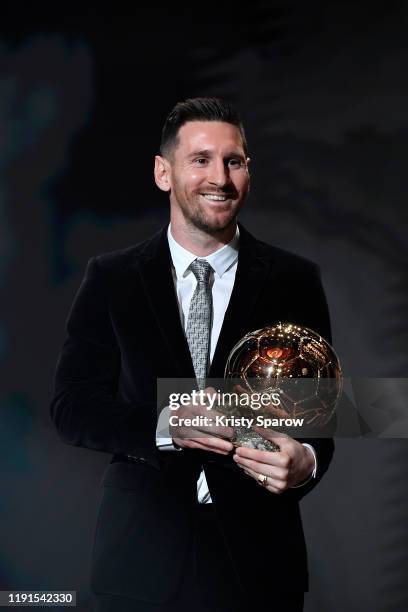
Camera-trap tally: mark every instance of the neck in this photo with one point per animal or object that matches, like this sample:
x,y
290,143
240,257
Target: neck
x,y
199,242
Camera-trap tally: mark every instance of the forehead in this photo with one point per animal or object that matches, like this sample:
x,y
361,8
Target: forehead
x,y
217,136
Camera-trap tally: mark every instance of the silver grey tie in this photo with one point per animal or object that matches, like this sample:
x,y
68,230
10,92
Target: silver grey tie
x,y
199,320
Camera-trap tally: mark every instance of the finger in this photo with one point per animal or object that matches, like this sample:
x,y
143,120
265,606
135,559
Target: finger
x,y
211,444
217,443
287,445
183,428
280,459
283,440
190,443
278,474
211,421
272,485
204,431
216,430
209,448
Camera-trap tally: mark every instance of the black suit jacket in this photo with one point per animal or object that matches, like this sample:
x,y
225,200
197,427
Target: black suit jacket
x,y
124,332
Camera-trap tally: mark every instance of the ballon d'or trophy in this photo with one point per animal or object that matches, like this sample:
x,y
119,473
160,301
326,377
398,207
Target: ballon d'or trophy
x,y
287,361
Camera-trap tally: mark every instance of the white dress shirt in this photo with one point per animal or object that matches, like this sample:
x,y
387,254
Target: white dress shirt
x,y
224,262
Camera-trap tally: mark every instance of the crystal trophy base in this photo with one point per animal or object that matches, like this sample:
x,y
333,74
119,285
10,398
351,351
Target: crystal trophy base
x,y
246,436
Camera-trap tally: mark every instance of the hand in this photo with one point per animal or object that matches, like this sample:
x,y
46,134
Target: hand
x,y
284,469
270,410
187,436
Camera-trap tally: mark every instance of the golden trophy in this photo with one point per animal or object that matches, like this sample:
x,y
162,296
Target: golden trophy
x,y
295,368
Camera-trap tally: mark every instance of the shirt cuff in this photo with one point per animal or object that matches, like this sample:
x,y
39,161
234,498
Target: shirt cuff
x,y
313,474
167,444
163,440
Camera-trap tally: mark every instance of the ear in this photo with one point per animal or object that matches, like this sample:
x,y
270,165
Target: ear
x,y
248,160
162,173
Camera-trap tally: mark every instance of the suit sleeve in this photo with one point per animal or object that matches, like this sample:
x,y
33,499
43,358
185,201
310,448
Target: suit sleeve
x,y
316,317
84,408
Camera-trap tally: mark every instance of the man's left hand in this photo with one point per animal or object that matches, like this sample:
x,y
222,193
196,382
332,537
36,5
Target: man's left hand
x,y
283,469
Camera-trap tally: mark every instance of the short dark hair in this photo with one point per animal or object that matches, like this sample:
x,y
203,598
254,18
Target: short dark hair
x,y
197,109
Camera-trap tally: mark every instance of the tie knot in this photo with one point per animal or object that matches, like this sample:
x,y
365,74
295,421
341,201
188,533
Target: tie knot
x,y
201,270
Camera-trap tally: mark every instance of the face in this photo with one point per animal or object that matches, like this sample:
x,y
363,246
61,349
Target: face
x,y
208,175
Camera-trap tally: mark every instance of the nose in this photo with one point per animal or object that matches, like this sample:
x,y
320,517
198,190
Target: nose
x,y
218,173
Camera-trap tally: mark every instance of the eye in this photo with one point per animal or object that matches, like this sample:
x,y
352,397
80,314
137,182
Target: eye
x,y
235,163
201,161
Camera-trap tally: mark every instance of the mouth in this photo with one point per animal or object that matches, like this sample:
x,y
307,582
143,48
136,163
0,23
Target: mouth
x,y
212,197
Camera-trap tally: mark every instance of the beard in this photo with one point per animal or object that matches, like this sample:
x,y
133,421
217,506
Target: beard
x,y
213,224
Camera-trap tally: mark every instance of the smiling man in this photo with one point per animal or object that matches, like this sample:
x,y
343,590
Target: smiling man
x,y
187,522
206,174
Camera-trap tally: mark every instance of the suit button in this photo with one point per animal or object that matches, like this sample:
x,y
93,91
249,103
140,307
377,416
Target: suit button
x,y
135,459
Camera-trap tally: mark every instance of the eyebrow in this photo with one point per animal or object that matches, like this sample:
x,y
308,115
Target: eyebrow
x,y
208,153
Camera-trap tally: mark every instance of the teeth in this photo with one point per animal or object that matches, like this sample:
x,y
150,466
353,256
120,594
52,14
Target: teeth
x,y
214,197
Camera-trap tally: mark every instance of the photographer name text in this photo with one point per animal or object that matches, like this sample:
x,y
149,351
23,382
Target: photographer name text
x,y
224,421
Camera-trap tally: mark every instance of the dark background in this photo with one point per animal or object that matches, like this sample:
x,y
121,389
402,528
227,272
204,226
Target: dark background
x,y
323,92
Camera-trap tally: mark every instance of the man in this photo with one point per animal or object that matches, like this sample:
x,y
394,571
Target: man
x,y
184,523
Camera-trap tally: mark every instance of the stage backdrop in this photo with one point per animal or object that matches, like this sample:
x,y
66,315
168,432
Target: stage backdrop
x,y
323,94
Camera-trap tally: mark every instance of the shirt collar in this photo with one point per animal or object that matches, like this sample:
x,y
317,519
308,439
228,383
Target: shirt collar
x,y
221,260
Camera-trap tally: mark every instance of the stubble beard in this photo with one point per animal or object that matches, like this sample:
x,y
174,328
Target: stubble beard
x,y
198,219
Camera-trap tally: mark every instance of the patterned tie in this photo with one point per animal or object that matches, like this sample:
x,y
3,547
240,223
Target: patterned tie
x,y
199,320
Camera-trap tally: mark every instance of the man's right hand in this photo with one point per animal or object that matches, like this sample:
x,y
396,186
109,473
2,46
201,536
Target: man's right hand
x,y
217,440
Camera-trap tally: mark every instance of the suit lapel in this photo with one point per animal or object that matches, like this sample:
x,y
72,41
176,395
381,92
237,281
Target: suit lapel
x,y
155,270
252,272
157,279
